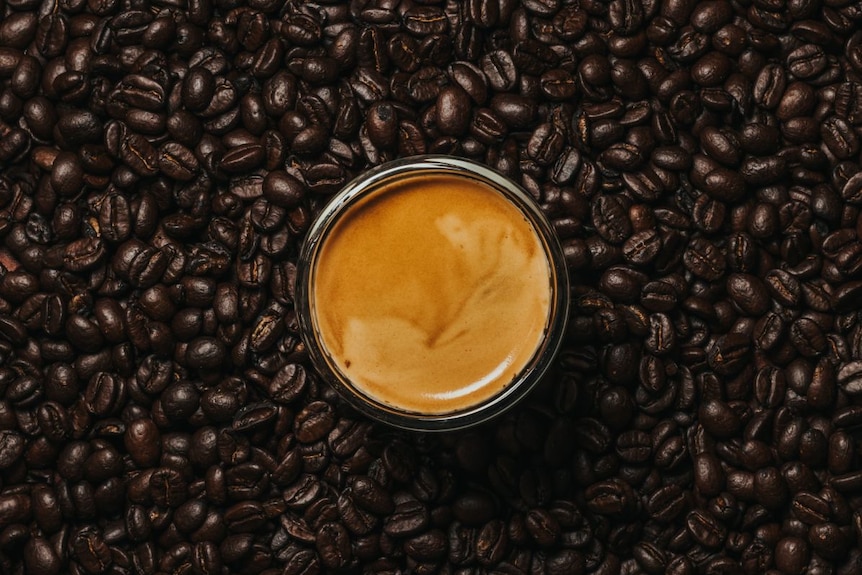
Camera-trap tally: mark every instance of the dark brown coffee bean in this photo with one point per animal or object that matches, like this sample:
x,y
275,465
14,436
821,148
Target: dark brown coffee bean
x,y
806,61
139,155
770,488
177,161
333,545
839,137
850,377
515,111
708,475
705,529
610,217
314,422
491,543
828,540
91,550
667,503
704,259
840,452
609,497
500,70
791,555
807,337
718,418
142,441
242,158
205,353
748,293
810,509
41,558
408,518
452,109
382,125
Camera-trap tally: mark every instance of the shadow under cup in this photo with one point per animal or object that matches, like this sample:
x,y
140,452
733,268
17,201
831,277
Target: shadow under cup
x,y
432,293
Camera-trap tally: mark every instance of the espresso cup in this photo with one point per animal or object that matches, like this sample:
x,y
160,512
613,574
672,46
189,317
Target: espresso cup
x,y
432,293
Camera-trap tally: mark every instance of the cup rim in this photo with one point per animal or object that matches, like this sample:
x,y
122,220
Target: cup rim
x,y
544,353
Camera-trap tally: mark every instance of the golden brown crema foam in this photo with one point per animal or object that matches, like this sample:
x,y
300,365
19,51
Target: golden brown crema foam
x,y
432,293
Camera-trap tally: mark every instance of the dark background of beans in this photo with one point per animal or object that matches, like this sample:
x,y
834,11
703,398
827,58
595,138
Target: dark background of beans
x,y
160,161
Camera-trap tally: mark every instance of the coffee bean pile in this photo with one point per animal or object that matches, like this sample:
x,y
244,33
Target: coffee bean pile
x,y
160,163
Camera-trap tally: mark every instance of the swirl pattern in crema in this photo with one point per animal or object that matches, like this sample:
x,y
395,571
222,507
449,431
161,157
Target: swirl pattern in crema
x,y
432,294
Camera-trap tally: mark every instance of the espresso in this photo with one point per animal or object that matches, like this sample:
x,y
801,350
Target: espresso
x,y
432,293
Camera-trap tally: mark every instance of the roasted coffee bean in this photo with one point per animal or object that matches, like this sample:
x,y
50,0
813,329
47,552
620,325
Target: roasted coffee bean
x,y
718,418
177,161
205,353
839,137
705,529
500,70
729,355
41,558
806,61
810,509
453,111
408,518
748,293
491,543
141,439
333,545
167,487
770,487
516,111
791,554
382,125
91,550
708,475
314,422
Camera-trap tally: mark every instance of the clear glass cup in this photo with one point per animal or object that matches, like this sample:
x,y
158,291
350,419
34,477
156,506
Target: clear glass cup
x,y
326,364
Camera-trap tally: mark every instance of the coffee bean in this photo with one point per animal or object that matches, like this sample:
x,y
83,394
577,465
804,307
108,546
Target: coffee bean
x,y
13,448
408,518
515,111
839,137
705,529
333,545
91,550
708,474
242,158
806,61
770,488
728,356
41,558
610,219
718,419
67,174
807,337
704,260
205,353
177,161
382,125
810,508
491,543
141,440
314,422
500,70
791,554
452,109
748,293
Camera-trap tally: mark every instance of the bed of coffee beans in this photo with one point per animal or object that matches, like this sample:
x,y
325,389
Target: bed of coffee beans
x,y
160,161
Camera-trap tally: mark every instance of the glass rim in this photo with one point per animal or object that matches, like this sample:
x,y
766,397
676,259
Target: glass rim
x,y
544,353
